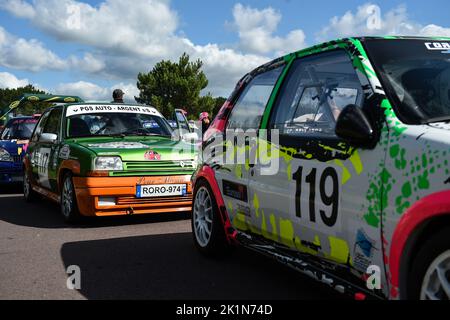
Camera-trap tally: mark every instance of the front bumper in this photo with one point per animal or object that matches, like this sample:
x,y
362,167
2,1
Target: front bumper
x,y
91,190
10,172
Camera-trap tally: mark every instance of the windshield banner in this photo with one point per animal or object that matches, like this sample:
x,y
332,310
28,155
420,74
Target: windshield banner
x,y
89,109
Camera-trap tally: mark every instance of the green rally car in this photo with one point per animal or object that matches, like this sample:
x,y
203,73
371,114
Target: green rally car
x,y
108,159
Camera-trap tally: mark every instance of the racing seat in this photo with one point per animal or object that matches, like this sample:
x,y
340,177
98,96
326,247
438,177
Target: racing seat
x,y
78,128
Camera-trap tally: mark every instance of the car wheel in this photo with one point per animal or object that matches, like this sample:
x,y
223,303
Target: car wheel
x,y
207,227
69,207
29,194
430,273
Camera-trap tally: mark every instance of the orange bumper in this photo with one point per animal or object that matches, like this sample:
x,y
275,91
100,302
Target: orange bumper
x,y
91,191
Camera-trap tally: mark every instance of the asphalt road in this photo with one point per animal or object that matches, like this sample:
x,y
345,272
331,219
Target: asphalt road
x,y
139,257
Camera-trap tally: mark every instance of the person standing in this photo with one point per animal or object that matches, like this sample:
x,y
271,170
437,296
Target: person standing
x,y
204,119
118,96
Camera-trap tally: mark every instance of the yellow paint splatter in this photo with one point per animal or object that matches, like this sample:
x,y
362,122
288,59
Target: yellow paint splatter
x,y
289,171
356,161
238,171
304,249
287,233
339,251
271,235
346,175
256,204
239,222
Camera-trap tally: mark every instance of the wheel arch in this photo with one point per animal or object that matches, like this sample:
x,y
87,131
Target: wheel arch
x,y
66,166
424,217
206,173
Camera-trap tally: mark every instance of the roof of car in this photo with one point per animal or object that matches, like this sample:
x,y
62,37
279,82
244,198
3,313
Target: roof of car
x,y
312,49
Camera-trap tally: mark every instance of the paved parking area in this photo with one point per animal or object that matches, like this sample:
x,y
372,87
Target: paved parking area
x,y
139,257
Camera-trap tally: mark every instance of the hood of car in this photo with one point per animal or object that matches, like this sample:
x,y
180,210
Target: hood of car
x,y
140,148
441,126
14,147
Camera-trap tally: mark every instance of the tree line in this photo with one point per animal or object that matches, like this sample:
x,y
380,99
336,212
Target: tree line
x,y
168,86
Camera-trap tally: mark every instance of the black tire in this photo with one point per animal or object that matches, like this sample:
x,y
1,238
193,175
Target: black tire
x,y
28,193
437,245
68,200
217,244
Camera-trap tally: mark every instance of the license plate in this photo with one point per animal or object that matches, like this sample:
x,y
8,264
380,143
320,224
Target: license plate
x,y
160,190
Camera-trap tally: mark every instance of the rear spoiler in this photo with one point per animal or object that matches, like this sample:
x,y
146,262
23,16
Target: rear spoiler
x,y
29,97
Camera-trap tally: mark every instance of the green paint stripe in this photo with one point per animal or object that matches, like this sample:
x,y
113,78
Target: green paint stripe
x,y
271,102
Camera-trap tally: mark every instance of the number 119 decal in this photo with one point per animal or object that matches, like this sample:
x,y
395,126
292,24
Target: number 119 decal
x,y
317,195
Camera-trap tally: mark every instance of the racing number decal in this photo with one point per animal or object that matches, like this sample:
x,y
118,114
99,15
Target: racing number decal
x,y
327,185
42,166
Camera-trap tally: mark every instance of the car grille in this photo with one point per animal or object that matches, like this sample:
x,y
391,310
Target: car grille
x,y
156,167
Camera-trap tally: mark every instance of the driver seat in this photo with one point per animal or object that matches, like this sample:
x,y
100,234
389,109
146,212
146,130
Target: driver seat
x,y
78,128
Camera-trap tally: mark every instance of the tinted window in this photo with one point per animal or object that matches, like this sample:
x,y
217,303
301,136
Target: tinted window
x,y
53,123
19,129
104,124
182,120
40,126
249,108
315,92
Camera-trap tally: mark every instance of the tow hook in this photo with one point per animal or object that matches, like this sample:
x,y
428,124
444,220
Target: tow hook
x,y
130,211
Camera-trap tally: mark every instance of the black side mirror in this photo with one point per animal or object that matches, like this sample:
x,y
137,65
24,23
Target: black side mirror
x,y
354,126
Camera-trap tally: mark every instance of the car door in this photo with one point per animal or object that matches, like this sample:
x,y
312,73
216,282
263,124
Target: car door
x,y
45,152
316,201
34,146
232,176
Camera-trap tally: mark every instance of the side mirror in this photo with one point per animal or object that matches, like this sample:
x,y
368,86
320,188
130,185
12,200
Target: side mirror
x,y
48,137
353,126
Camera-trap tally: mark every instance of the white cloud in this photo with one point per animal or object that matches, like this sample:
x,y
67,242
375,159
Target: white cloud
x,y
256,31
19,8
88,64
129,38
25,54
89,91
370,20
8,80
141,27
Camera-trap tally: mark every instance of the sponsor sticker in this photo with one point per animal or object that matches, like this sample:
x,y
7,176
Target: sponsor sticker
x,y
64,152
152,155
89,109
438,46
364,249
118,145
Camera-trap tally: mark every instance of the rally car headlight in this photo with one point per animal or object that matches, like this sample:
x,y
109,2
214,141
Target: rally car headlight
x,y
5,156
108,164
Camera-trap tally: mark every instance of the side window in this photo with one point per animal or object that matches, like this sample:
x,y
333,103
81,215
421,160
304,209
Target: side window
x,y
249,108
6,132
314,93
40,127
53,123
182,120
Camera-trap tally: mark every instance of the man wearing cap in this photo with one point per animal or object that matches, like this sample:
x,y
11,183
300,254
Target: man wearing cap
x,y
204,118
118,96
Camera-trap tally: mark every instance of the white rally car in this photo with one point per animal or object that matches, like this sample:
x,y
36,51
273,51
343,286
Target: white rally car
x,y
335,161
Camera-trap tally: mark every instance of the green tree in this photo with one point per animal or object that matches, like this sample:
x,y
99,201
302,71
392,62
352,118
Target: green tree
x,y
9,95
171,85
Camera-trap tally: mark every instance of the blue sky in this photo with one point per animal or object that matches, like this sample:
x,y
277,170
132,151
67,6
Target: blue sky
x,y
90,47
